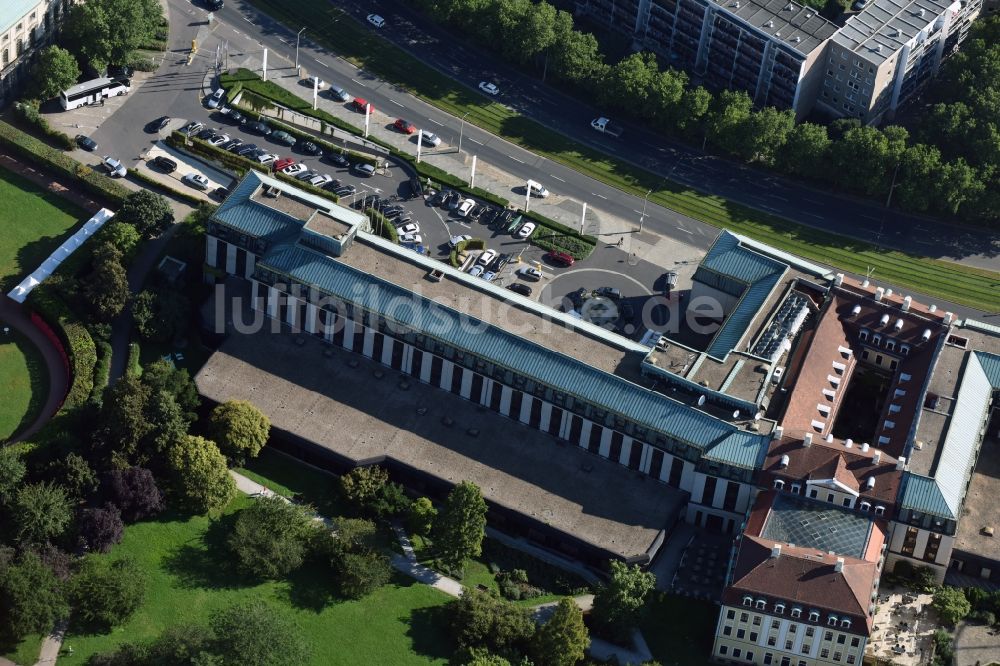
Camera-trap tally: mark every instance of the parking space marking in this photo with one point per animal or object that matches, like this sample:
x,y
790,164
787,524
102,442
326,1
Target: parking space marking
x,y
604,270
248,21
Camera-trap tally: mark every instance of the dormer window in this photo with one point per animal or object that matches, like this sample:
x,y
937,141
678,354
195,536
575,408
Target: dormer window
x,y
796,488
761,604
845,623
879,510
863,334
814,616
832,620
796,612
866,506
748,601
779,484
779,608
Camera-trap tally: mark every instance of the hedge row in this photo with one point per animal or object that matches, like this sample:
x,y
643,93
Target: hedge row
x,y
382,225
165,189
76,340
50,159
102,372
134,366
462,246
575,247
239,164
28,112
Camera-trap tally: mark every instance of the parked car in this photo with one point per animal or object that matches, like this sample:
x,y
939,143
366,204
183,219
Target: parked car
x,y
219,139
476,270
164,164
526,230
86,143
409,228
339,94
338,159
364,169
416,239
114,167
464,207
438,199
283,162
360,103
206,134
404,126
265,158
376,20
196,180
120,72
609,292
487,257
234,145
416,189
293,169
859,5
215,99
157,125
429,139
519,288
530,273
215,5
455,240
489,88
489,276
306,175
501,261
259,127
247,149
320,180
627,311
193,127
454,201
220,192
345,190
310,148
560,258
536,189
234,116
283,137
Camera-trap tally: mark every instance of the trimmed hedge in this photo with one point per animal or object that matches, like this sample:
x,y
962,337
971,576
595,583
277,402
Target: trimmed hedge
x,y
471,244
48,158
575,247
102,372
134,367
165,189
381,225
75,338
27,110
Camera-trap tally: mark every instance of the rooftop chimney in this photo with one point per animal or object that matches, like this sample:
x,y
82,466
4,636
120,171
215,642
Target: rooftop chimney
x,y
839,280
856,310
888,293
901,463
884,321
807,440
932,308
769,24
784,461
947,318
778,432
776,550
848,442
921,13
877,458
899,324
906,303
870,483
879,293
926,335
866,283
839,566
865,447
829,438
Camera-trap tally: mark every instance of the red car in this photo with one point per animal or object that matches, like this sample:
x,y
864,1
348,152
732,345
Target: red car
x,y
282,163
404,126
360,103
560,258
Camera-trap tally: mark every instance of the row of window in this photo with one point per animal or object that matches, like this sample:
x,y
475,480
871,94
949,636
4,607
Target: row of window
x,y
738,653
796,488
796,612
877,339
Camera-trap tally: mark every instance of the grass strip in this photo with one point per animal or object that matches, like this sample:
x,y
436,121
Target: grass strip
x,y
338,31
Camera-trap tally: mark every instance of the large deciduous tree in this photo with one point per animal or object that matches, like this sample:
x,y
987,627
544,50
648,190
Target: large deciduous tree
x,y
105,594
461,525
55,70
240,429
563,639
134,491
254,633
107,31
101,528
270,538
31,597
201,477
161,315
42,511
478,620
617,603
106,288
148,212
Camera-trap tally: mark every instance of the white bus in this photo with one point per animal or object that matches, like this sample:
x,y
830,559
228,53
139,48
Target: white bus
x,y
92,92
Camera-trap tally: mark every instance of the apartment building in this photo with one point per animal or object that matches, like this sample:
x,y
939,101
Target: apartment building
x,y
785,55
25,25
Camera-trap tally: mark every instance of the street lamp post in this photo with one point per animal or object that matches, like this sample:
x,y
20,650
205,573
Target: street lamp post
x,y
642,217
461,132
297,36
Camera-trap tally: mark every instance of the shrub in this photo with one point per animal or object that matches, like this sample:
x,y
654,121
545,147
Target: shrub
x,y
101,528
31,597
41,511
201,477
76,341
105,594
421,517
382,226
133,490
951,605
370,489
270,538
142,63
240,429
28,112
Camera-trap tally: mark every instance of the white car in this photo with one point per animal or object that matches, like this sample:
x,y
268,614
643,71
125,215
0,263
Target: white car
x,y
464,207
196,180
115,168
219,139
489,276
430,139
267,158
487,257
489,88
455,240
215,99
416,239
529,273
321,180
476,270
408,228
294,169
536,189
376,20
526,230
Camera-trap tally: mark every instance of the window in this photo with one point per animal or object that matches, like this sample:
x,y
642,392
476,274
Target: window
x,y
836,656
20,47
731,614
792,628
845,624
863,335
772,641
736,653
756,620
814,616
741,633
768,657
761,604
850,658
828,636
727,630
779,484
879,510
866,506
841,638
855,642
824,654
744,617
747,601
775,624
809,632
797,488
829,497
813,493
806,648
788,645
832,620
779,608
749,656
753,636
796,612
723,649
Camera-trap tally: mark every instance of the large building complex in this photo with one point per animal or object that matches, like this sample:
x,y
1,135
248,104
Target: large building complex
x,y
831,426
786,55
25,25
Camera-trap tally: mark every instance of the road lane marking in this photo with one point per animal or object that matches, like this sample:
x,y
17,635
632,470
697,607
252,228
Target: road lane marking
x,y
358,82
474,141
511,157
600,195
248,21
324,64
436,122
396,103
557,178
687,231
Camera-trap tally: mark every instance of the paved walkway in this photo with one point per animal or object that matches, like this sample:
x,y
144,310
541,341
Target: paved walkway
x,y
52,645
13,314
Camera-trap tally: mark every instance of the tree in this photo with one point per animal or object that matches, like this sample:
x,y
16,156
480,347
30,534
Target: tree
x,y
149,213
101,528
478,620
240,429
54,71
422,515
134,492
360,574
106,288
183,644
163,376
951,605
105,594
31,597
253,633
617,603
168,423
75,475
461,525
763,133
919,170
630,81
161,315
806,151
201,477
106,31
370,489
12,471
270,537
123,419
693,111
121,235
563,639
665,97
727,119
574,56
861,160
42,511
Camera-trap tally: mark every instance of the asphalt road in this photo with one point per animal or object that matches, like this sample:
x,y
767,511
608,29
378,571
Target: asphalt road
x,y
761,190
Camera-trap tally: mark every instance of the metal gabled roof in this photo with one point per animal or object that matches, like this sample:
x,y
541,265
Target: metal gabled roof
x,y
990,364
741,449
922,493
561,372
728,256
739,319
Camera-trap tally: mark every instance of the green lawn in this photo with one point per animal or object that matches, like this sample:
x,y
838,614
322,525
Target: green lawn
x,y
294,479
25,383
33,223
190,576
678,630
361,46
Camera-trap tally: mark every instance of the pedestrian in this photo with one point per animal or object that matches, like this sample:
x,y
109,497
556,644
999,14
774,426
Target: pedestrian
x,y
620,241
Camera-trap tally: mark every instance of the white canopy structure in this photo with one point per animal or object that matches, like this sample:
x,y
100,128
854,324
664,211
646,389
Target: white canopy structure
x,y
48,267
